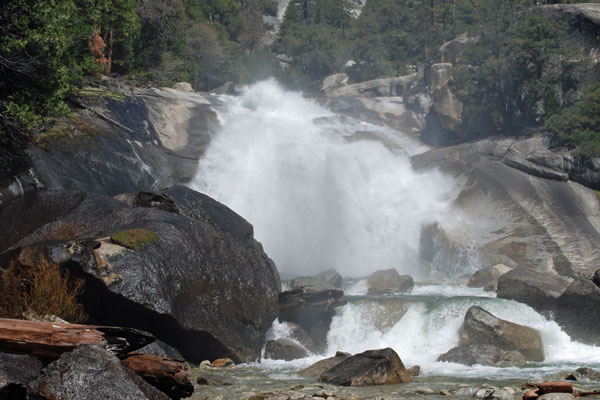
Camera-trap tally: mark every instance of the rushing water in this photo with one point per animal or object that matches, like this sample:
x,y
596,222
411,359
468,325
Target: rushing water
x,y
321,193
317,197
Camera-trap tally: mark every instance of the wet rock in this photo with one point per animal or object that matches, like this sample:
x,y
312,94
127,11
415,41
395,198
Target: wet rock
x,y
587,374
483,354
503,394
483,393
89,373
424,391
481,327
284,349
488,278
579,310
222,362
16,372
534,288
372,367
389,281
315,370
312,310
299,334
566,376
414,371
205,286
326,280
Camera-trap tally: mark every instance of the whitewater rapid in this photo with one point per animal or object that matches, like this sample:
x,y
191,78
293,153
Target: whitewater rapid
x,y
322,191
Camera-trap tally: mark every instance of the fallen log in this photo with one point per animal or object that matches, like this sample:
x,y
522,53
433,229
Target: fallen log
x,y
554,387
50,339
166,374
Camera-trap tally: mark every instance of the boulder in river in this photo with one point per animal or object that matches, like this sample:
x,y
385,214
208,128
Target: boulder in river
x,y
487,278
315,370
481,327
284,349
389,281
312,310
483,354
372,367
579,310
537,289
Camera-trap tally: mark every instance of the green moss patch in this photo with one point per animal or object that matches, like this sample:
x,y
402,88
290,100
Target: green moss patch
x,y
133,238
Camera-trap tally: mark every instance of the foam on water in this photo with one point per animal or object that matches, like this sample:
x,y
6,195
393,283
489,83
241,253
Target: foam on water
x,y
430,328
317,197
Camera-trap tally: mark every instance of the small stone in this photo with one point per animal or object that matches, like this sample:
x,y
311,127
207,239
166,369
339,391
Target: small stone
x,y
484,393
509,389
445,392
222,362
205,363
556,396
424,391
466,391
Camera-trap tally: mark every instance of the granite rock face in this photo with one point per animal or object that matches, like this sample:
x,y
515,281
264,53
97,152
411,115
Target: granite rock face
x,y
203,285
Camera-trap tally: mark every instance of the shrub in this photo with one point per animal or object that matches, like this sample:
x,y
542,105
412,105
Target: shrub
x,y
40,290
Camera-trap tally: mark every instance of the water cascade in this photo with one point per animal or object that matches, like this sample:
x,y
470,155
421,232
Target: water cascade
x,y
318,197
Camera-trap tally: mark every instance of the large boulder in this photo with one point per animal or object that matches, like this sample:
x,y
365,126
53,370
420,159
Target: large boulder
x,y
484,354
487,278
16,372
284,349
196,279
315,370
389,281
372,367
447,107
312,310
88,373
579,310
535,288
481,327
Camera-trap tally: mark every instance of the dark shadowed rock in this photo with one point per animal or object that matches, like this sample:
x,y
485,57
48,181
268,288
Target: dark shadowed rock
x,y
389,281
90,373
587,374
284,349
158,348
579,310
596,278
481,327
315,370
312,310
332,277
16,372
483,354
534,288
205,286
488,278
372,367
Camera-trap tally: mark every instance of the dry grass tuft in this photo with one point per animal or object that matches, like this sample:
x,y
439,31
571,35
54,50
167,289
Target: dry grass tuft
x,y
40,290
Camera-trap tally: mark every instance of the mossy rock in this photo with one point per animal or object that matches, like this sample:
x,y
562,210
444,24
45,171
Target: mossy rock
x,y
133,238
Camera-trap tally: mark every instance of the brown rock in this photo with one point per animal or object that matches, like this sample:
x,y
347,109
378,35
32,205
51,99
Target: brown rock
x,y
284,349
372,367
389,281
315,370
222,362
414,371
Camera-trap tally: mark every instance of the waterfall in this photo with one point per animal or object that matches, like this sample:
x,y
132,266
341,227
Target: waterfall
x,y
322,191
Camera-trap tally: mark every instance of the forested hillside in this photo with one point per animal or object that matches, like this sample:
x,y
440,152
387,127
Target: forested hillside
x,y
514,61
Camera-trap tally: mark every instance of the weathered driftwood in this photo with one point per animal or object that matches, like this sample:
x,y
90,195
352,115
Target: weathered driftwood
x,y
554,387
50,339
166,374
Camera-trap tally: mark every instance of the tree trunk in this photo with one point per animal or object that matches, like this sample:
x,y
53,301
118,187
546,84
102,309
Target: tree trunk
x,y
110,51
50,339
